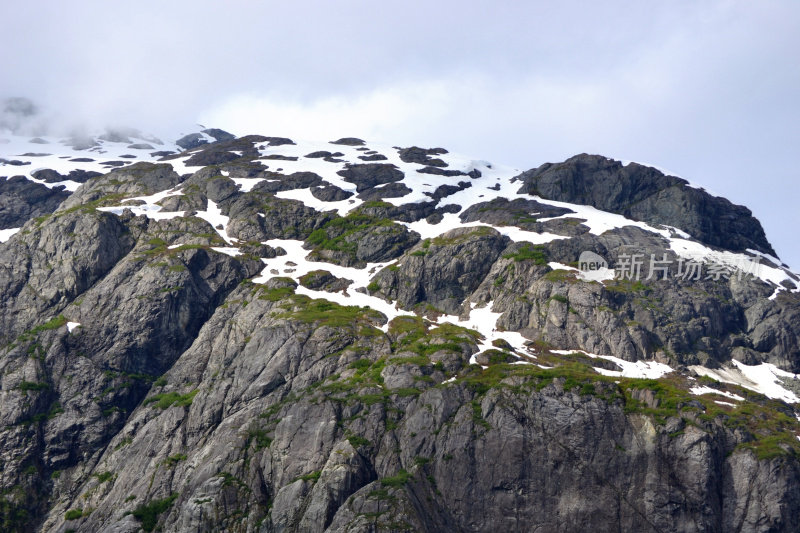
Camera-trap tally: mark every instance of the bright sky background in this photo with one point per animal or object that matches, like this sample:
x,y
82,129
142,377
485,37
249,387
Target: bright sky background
x,y
708,89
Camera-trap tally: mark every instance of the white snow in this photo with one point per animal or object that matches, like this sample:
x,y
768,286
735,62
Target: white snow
x,y
678,232
6,234
247,184
179,165
737,263
60,157
304,195
764,378
599,221
484,321
708,390
72,325
360,277
599,275
233,252
495,182
451,221
637,369
213,215
149,209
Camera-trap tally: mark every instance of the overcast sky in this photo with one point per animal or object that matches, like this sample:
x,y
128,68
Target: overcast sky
x,y
707,89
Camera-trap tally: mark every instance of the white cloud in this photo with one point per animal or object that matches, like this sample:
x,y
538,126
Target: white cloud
x,y
704,88
380,114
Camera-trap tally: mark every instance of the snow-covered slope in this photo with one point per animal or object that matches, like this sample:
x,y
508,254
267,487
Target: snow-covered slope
x,y
478,181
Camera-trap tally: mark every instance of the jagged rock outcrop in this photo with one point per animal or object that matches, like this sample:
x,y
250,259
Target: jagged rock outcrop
x,y
313,441
644,193
22,200
444,270
230,355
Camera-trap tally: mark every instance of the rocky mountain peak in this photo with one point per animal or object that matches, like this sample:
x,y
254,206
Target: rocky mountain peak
x,y
645,193
265,334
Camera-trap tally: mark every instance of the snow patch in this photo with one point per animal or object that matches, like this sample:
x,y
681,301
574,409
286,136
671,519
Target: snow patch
x,y
764,378
599,275
6,234
247,184
213,215
698,391
635,369
736,263
295,265
233,252
451,221
342,207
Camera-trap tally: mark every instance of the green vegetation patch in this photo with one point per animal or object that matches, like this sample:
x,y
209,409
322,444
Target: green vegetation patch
x,y
276,294
560,275
479,231
260,437
357,441
398,480
32,386
770,423
102,477
626,286
334,234
88,207
324,312
417,335
173,460
73,514
53,323
168,399
313,476
537,254
147,514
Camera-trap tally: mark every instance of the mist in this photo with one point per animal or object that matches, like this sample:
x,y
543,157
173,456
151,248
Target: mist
x,y
705,89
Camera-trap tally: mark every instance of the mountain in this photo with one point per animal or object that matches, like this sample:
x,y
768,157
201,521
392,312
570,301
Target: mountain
x,y
264,334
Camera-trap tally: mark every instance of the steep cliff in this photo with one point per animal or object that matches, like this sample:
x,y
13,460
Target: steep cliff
x,y
258,335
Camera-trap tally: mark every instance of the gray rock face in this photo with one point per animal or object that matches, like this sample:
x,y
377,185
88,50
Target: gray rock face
x,y
325,281
358,239
392,190
349,141
139,305
279,424
422,156
49,264
644,193
139,179
80,176
444,271
149,381
192,140
22,200
219,135
369,175
283,219
330,193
